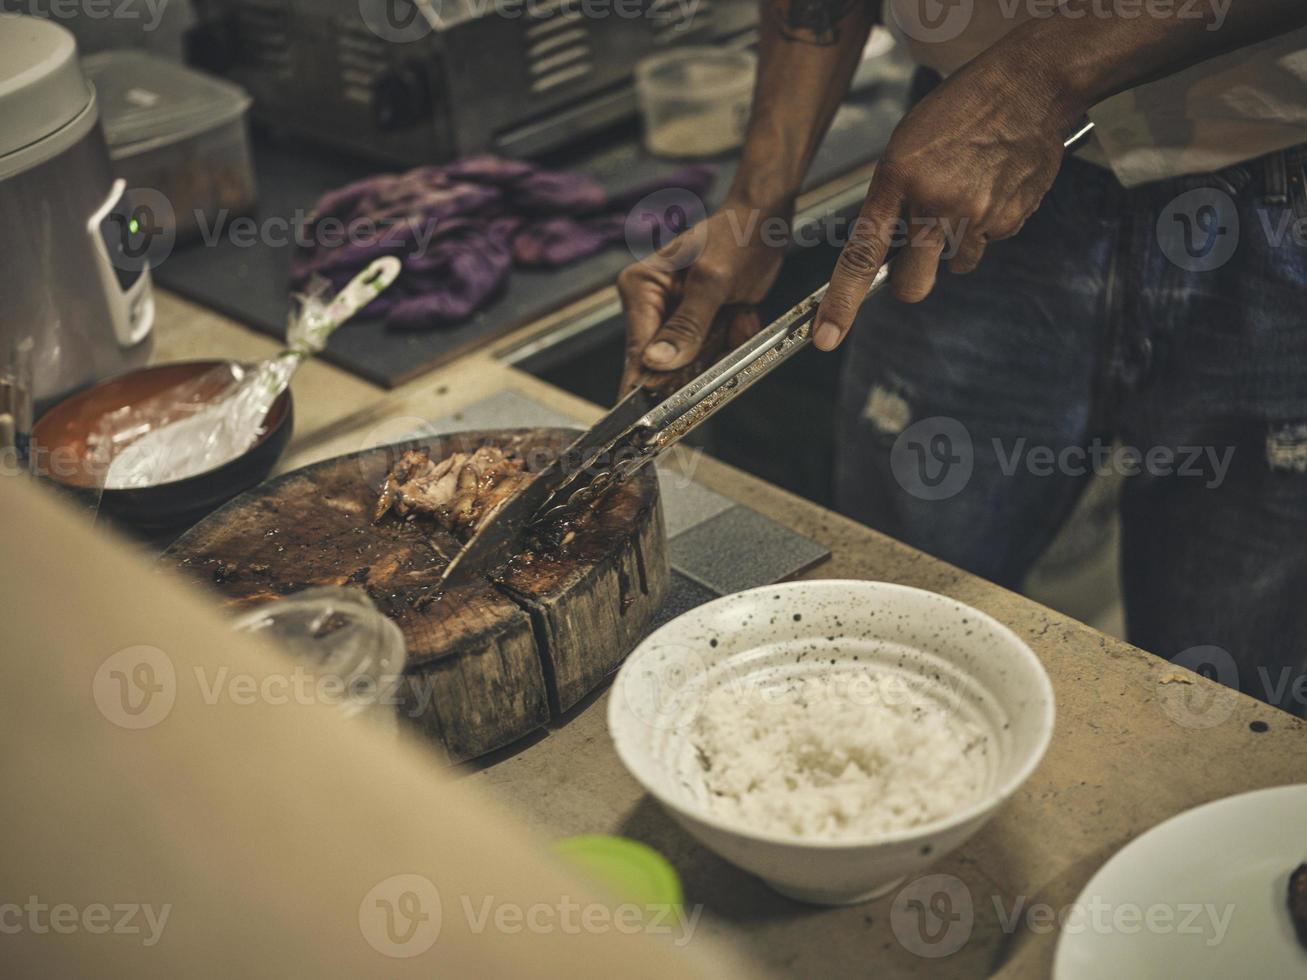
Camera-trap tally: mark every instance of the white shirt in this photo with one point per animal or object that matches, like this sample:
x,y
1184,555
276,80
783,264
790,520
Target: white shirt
x,y
1232,108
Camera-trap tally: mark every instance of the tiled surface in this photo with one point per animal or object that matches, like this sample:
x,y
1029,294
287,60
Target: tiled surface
x,y
683,595
503,410
686,503
717,547
739,549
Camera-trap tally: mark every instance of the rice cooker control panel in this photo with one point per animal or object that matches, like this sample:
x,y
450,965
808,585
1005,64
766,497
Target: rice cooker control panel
x,y
121,238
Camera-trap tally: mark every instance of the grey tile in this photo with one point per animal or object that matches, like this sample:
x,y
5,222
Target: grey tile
x,y
502,410
686,503
740,549
684,595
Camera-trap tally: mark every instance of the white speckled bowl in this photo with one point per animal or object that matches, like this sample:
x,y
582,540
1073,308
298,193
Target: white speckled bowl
x,y
949,652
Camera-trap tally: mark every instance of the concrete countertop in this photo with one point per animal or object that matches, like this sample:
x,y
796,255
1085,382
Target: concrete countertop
x,y
1137,740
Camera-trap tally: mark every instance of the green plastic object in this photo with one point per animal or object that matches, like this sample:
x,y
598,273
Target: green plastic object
x,y
628,870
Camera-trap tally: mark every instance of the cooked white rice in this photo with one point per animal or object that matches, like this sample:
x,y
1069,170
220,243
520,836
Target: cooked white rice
x,y
840,754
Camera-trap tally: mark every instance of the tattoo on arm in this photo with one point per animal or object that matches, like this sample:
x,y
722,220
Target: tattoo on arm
x,y
812,21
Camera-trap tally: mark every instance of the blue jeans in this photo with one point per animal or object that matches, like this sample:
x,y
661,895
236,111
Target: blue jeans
x,y
1174,327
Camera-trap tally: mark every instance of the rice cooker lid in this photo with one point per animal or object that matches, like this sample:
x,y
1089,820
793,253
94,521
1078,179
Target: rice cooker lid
x,y
42,88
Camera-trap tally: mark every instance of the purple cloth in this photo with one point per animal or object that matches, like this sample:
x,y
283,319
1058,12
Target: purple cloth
x,y
461,228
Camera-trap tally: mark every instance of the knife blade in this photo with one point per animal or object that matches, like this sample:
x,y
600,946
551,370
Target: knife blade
x,y
502,529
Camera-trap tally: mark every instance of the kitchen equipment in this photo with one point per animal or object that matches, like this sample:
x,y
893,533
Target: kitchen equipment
x,y
487,663
644,425
73,272
15,407
426,82
63,446
694,101
151,444
177,132
1203,894
154,26
355,654
944,655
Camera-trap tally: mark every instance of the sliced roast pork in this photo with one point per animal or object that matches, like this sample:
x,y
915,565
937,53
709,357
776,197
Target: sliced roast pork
x,y
457,491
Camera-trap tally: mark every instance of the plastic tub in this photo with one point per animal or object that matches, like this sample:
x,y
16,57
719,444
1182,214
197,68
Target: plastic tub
x,y
695,100
176,131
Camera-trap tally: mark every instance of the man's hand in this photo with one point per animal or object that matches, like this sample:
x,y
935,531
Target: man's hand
x,y
673,298
967,166
973,160
808,51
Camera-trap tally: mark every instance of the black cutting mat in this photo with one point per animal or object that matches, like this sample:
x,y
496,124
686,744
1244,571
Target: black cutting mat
x,y
249,282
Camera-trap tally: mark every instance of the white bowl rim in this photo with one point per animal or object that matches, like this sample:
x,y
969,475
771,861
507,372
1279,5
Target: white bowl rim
x,y
978,809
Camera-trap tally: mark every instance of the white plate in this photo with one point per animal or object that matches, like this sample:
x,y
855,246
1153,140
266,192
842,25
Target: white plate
x,y
1213,883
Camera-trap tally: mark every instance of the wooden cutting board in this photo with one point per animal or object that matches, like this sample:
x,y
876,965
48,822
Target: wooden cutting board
x,y
488,662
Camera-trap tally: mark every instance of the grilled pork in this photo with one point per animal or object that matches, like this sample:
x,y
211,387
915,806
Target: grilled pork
x,y
457,491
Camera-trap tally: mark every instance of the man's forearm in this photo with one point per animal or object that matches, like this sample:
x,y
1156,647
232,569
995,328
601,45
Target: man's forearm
x,y
808,52
1087,53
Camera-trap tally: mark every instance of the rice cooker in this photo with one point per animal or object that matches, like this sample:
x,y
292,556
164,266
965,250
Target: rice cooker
x,y
73,273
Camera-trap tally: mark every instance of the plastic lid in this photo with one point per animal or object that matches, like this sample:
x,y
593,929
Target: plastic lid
x,y
42,88
145,98
630,871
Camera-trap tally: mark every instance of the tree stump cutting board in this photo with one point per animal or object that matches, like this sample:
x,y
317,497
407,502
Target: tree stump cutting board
x,y
488,662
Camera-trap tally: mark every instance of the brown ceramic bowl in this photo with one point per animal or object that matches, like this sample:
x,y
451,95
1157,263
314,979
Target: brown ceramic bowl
x,y
59,446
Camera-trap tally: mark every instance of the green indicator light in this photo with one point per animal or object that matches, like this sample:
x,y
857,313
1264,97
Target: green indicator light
x,y
133,226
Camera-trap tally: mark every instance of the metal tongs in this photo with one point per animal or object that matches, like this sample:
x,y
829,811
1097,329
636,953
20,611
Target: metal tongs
x,y
642,427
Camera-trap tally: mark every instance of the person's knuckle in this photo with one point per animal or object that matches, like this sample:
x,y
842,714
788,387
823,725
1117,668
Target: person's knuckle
x,y
838,307
709,275
891,173
1009,224
979,200
861,257
968,258
912,290
680,329
929,197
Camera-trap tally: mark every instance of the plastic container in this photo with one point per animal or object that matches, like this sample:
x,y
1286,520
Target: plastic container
x,y
176,131
627,870
355,655
694,101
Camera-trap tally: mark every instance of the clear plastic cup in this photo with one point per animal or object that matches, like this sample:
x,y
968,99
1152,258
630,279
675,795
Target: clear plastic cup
x,y
355,653
694,101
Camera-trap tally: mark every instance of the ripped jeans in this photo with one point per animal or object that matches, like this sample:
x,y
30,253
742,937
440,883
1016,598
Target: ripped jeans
x,y
1160,333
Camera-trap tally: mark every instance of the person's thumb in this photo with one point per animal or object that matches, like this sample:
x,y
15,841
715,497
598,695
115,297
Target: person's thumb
x,y
680,338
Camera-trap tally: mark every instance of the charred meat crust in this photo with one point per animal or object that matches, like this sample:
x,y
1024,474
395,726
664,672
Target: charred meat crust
x,y
457,491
